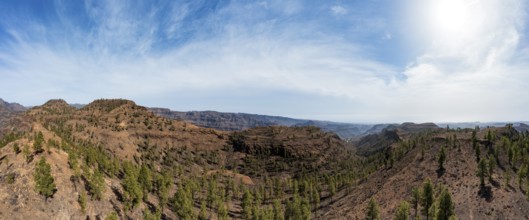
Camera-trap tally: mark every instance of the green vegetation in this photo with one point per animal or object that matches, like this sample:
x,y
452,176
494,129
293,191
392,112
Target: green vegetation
x,y
38,142
441,158
149,215
10,137
133,194
96,185
163,172
372,212
16,148
492,165
298,208
415,199
482,172
112,216
82,200
183,203
427,197
403,211
43,179
445,207
10,178
203,214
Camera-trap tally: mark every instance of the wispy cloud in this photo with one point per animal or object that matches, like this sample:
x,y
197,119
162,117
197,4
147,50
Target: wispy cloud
x,y
338,10
266,57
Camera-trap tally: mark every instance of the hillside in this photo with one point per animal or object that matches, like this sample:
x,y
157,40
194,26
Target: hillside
x,y
504,195
241,121
11,107
9,119
115,158
104,147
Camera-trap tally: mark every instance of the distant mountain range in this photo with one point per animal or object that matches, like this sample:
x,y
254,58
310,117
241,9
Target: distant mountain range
x,y
242,121
11,107
115,158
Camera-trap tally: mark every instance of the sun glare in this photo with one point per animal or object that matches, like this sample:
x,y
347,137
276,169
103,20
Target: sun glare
x,y
454,22
450,16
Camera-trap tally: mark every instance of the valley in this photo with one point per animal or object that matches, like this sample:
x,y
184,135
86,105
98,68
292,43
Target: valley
x,y
113,159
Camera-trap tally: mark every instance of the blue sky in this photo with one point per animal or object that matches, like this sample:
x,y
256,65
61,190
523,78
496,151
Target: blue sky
x,y
351,61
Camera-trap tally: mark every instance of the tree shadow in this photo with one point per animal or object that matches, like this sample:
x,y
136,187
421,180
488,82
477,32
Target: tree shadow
x,y
486,193
494,183
440,172
118,194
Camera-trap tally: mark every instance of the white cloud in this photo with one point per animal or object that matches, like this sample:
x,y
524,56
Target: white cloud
x,y
246,57
472,77
338,10
116,60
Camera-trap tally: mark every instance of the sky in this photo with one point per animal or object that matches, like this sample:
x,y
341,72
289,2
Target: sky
x,y
366,61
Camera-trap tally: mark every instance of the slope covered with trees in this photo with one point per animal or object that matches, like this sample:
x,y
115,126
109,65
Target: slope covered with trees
x,y
112,159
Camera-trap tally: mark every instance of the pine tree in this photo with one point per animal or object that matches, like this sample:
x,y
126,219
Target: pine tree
x,y
222,212
74,165
278,210
305,209
96,184
441,158
145,180
492,164
27,154
203,214
112,216
403,211
43,179
183,203
163,181
247,201
510,154
372,212
132,193
427,197
82,200
149,215
445,208
16,148
415,199
37,143
478,153
482,172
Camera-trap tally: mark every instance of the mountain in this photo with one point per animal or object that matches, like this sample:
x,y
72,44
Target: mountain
x,y
133,163
463,125
115,159
11,107
226,121
9,113
241,121
521,127
409,163
389,135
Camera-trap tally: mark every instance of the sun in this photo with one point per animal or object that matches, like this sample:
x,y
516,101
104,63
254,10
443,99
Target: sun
x,y
450,15
454,20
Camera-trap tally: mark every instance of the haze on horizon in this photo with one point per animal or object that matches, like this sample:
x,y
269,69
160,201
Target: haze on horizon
x,y
349,61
